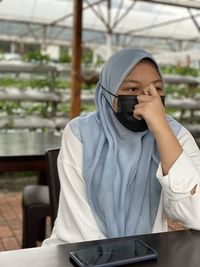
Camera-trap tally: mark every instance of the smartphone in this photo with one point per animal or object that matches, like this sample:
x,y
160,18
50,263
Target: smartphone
x,y
113,253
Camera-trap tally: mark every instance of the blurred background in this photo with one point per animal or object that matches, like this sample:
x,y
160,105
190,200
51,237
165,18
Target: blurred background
x,y
51,54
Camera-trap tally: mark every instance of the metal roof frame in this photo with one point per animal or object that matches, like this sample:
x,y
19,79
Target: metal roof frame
x,y
138,32
180,3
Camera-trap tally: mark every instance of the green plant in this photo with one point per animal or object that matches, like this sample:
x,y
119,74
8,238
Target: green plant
x,y
182,70
36,56
87,56
100,61
37,108
88,86
173,88
65,58
9,106
63,108
13,82
88,107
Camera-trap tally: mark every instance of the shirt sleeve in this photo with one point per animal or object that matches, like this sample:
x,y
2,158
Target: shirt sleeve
x,y
75,221
183,176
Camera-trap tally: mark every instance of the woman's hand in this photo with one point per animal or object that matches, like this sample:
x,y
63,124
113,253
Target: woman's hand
x,y
151,109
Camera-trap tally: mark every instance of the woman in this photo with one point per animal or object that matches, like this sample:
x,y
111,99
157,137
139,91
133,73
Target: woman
x,y
126,167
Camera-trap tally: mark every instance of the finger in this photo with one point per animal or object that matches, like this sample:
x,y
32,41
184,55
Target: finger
x,y
143,98
137,117
140,105
152,90
146,90
138,113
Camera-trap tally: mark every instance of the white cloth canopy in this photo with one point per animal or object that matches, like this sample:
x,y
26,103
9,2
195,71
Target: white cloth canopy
x,y
132,23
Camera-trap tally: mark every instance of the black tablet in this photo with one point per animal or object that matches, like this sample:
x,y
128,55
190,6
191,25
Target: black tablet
x,y
113,253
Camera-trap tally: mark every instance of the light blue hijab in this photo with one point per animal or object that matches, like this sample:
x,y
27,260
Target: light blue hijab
x,y
119,166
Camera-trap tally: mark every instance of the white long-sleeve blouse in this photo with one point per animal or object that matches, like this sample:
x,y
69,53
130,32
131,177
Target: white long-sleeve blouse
x,y
75,221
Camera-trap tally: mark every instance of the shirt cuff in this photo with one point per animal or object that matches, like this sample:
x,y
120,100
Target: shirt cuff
x,y
181,178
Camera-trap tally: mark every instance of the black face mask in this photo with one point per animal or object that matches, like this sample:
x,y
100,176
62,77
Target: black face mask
x,y
126,105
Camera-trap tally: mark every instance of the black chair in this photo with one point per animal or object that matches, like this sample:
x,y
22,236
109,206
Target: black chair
x,y
53,181
36,207
40,201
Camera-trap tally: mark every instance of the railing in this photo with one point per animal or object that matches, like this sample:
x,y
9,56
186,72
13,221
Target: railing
x,y
52,98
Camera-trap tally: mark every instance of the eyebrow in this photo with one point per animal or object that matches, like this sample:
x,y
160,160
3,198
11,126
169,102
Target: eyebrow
x,y
135,81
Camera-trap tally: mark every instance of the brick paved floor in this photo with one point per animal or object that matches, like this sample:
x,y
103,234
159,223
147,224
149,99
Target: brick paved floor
x,y
10,220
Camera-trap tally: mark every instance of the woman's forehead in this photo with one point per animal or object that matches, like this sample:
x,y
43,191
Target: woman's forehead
x,y
144,68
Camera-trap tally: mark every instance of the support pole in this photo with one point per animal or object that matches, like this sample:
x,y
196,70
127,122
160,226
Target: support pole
x,y
76,60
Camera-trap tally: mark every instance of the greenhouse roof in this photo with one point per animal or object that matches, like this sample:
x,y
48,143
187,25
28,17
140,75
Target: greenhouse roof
x,y
181,3
144,23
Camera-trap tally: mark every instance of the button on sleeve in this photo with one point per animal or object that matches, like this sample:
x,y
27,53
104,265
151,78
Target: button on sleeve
x,y
182,177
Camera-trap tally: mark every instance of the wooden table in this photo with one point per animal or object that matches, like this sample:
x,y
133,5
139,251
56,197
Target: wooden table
x,y
175,249
25,151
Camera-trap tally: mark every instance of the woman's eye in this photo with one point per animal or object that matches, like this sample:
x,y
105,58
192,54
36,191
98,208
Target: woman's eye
x,y
133,89
159,89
